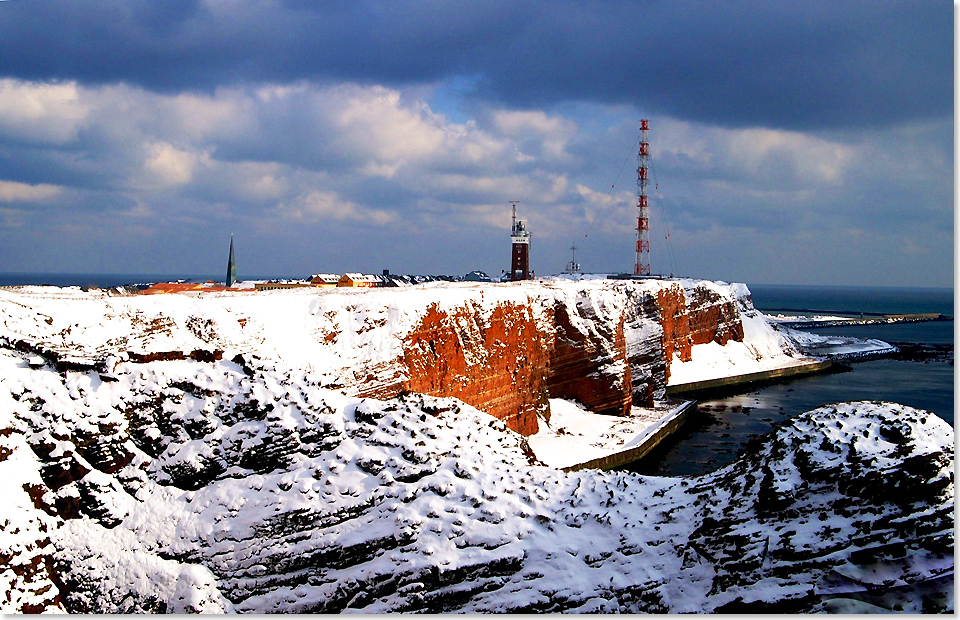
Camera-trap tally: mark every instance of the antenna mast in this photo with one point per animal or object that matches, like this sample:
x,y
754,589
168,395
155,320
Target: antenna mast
x,y
573,266
642,265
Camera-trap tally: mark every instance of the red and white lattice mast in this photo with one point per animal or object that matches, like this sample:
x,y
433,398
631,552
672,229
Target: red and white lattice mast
x,y
642,266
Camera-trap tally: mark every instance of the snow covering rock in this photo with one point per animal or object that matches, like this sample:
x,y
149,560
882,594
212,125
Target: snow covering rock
x,y
729,337
836,347
211,454
503,348
191,485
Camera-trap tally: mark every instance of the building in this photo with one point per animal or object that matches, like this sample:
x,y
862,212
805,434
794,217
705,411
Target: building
x,y
477,276
520,253
324,279
319,280
274,285
360,280
209,286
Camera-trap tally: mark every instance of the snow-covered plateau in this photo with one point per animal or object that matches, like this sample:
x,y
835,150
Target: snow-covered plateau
x,y
226,452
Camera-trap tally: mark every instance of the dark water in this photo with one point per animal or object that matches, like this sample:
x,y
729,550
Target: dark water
x,y
723,424
99,280
852,299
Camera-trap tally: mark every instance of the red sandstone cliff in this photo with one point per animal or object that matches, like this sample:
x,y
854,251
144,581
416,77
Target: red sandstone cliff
x,y
499,361
607,351
505,349
696,316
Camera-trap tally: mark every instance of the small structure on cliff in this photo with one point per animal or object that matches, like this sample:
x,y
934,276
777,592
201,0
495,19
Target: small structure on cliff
x,y
324,279
520,254
573,267
231,267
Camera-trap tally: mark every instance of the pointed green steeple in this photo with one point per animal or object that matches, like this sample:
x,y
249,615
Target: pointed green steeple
x,y
231,267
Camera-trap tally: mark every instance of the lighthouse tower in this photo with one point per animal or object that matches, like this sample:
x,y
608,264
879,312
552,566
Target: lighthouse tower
x,y
520,255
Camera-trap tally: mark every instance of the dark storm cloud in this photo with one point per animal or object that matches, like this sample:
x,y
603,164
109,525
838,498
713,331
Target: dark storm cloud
x,y
800,65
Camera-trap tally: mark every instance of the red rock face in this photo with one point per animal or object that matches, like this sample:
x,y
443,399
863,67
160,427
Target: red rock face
x,y
509,361
509,364
497,363
591,367
713,318
675,320
703,317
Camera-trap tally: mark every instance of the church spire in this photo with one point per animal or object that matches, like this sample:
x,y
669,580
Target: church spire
x,y
231,267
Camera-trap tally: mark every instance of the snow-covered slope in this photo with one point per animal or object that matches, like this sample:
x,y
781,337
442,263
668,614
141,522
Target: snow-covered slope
x,y
216,453
205,486
761,348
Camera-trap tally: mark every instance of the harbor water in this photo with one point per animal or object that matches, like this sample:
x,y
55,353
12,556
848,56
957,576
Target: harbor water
x,y
725,422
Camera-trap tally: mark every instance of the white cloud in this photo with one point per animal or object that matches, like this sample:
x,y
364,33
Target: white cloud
x,y
47,113
166,165
754,154
393,132
12,191
388,131
318,206
809,158
541,135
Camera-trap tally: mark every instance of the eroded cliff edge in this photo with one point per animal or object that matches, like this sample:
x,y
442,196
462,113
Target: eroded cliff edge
x,y
505,349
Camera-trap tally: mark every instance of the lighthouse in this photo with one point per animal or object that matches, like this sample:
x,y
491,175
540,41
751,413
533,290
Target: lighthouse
x,y
520,253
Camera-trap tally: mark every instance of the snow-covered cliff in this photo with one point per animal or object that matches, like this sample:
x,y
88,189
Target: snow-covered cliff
x,y
225,453
505,349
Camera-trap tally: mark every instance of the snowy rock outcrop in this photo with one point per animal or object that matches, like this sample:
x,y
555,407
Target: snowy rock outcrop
x,y
191,485
506,349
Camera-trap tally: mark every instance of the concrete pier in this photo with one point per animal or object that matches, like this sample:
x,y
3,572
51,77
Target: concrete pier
x,y
753,377
666,428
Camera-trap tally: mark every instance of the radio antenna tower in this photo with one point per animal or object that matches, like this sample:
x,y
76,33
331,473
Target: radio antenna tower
x,y
573,266
642,266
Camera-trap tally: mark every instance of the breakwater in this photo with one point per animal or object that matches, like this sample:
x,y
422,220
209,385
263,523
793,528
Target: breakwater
x,y
667,427
746,380
865,319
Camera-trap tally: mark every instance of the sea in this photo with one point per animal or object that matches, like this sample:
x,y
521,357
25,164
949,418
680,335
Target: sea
x,y
99,280
722,424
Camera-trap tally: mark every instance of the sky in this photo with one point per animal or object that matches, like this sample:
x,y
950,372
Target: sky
x,y
792,142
